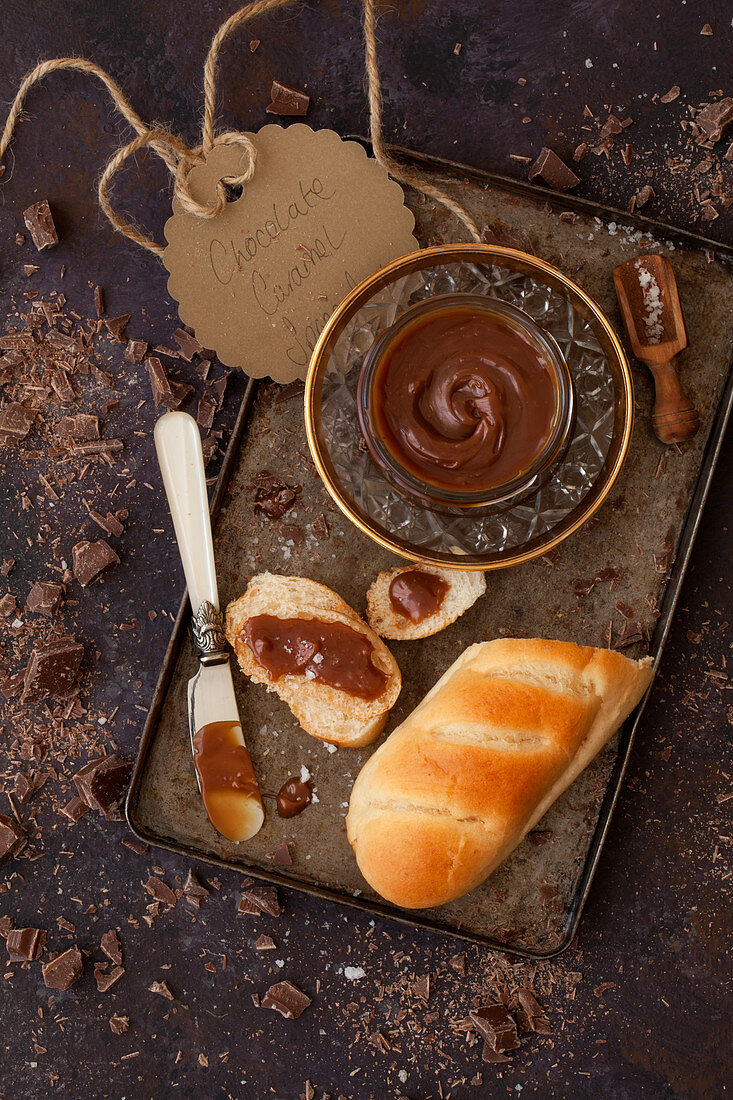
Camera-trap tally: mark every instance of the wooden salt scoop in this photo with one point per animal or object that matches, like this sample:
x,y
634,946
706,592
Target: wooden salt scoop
x,y
650,306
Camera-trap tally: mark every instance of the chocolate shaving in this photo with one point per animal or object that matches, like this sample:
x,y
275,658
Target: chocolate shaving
x,y
287,999
498,232
39,221
53,669
99,300
671,95
534,1012
91,560
119,1024
64,970
552,171
193,891
8,606
287,101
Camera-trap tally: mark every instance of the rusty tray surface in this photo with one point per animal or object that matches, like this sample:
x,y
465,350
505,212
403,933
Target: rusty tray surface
x,y
532,904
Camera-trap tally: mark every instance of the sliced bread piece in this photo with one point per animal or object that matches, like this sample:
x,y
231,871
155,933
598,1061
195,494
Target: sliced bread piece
x,y
326,712
462,592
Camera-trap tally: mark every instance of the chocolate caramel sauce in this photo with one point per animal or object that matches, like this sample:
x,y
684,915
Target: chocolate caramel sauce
x,y
223,766
462,400
327,653
415,594
293,797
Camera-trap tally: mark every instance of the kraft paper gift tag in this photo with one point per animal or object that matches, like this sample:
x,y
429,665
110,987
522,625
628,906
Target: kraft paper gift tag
x,y
259,281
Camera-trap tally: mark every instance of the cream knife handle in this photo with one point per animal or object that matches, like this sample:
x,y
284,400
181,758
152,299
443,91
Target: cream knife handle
x,y
178,444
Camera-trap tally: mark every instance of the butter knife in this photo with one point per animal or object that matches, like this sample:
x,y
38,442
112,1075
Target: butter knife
x,y
223,766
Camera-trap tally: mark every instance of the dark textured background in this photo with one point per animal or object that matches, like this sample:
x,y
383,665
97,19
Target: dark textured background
x,y
656,922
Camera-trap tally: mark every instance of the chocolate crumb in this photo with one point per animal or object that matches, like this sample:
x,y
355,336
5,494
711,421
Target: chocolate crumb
x,y
265,943
116,326
163,989
44,598
119,1024
264,899
110,944
281,856
103,783
105,978
497,1026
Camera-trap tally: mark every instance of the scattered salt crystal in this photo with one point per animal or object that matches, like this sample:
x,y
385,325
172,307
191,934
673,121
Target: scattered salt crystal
x,y
304,774
330,748
310,674
354,973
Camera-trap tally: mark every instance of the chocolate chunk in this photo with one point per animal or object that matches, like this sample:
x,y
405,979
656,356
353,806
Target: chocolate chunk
x,y
281,856
273,496
39,221
110,944
458,963
116,326
421,988
287,999
75,809
81,426
671,95
8,606
13,685
12,837
104,978
265,943
163,989
30,269
554,172
534,1011
497,232
99,300
219,386
158,380
25,944
490,1056
61,385
319,527
205,414
103,783
193,891
119,1024
7,566
715,118
583,586
64,970
287,101
91,560
188,344
15,422
139,847
264,899
643,195
94,447
52,670
161,891
496,1025
136,350
110,523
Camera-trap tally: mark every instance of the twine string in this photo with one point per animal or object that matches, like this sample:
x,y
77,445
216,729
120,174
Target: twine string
x,y
180,158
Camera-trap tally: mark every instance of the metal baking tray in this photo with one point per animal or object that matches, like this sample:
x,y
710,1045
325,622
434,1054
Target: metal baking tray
x,y
531,906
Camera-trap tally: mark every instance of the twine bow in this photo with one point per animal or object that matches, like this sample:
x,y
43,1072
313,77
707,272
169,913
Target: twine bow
x,y
180,158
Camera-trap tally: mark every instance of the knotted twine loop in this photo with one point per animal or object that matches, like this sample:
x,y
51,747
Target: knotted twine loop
x,y
180,158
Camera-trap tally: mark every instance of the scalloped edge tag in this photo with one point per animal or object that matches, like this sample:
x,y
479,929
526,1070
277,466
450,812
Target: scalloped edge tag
x,y
258,282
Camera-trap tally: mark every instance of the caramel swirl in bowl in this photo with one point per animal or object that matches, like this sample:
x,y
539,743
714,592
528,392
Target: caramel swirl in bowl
x,y
463,400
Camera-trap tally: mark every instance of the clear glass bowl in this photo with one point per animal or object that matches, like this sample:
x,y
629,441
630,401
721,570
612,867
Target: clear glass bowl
x,y
437,497
493,536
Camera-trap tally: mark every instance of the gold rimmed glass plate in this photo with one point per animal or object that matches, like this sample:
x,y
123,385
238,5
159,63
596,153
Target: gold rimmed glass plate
x,y
475,538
